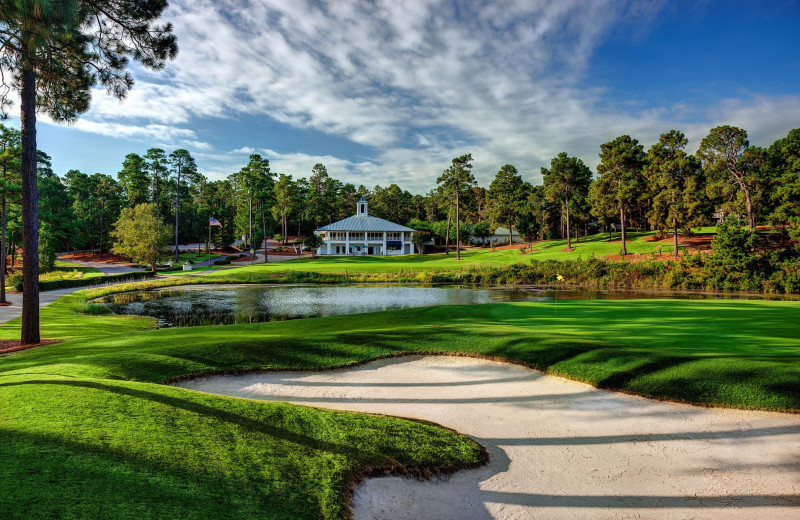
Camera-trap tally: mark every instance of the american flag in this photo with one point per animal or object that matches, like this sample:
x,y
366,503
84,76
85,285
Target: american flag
x,y
213,222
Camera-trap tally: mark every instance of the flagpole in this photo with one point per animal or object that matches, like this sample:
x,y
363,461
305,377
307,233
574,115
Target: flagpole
x,y
209,242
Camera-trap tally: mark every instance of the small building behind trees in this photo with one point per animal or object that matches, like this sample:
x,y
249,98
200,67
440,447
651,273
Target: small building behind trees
x,y
363,234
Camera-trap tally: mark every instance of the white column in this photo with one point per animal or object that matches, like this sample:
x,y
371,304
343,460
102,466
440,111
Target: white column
x,y
384,242
347,242
328,244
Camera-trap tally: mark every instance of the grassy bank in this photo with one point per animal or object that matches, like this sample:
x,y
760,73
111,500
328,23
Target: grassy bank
x,y
88,433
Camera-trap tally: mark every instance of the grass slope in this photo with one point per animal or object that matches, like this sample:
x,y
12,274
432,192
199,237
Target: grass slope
x,y
86,432
595,245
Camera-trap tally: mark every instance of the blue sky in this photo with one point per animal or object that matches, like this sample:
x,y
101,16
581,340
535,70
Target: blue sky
x,y
389,91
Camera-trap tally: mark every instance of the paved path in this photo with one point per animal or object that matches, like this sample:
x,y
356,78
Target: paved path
x,y
559,449
45,298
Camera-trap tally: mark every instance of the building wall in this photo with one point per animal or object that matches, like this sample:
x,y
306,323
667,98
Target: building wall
x,y
337,246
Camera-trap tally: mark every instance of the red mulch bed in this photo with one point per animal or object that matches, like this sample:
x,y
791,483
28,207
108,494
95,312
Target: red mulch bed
x,y
9,346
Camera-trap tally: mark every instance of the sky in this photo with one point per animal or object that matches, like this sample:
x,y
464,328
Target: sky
x,y
388,92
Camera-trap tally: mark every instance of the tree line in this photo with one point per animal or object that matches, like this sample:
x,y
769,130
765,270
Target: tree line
x,y
664,188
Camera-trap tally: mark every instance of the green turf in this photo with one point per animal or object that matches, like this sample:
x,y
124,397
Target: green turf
x,y
87,432
595,245
75,266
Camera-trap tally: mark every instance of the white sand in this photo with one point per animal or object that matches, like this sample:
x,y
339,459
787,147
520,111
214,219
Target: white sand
x,y
559,449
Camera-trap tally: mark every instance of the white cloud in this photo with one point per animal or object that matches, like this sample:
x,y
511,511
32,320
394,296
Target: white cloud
x,y
418,81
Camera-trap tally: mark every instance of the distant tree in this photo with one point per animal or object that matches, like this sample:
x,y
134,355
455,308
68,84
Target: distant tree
x,y
10,157
456,179
183,168
254,184
156,163
730,175
108,195
676,184
785,155
505,197
567,179
482,231
346,201
420,240
141,235
285,202
313,242
216,200
54,53
48,248
55,207
532,214
302,203
733,263
134,181
391,203
621,179
318,203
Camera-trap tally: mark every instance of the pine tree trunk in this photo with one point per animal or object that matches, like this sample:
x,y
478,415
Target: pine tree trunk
x,y
458,226
30,211
622,228
264,226
102,213
3,250
250,225
675,237
447,237
569,235
177,210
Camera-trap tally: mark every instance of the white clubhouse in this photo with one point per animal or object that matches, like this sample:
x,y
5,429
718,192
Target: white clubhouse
x,y
363,234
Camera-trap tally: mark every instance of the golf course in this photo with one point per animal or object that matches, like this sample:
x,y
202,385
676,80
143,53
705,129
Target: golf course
x,y
96,407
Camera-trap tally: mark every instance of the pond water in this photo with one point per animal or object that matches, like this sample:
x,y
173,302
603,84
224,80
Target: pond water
x,y
193,305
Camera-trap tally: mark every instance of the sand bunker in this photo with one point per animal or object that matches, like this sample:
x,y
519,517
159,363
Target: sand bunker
x,y
559,449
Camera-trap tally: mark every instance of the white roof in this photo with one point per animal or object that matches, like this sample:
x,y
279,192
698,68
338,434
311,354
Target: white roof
x,y
364,223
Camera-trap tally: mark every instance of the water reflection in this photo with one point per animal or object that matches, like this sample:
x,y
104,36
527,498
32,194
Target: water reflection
x,y
194,305
221,305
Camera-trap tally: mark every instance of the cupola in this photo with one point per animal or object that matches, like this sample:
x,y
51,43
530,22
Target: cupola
x,y
362,208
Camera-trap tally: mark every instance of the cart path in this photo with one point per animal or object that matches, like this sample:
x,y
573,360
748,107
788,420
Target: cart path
x,y
558,448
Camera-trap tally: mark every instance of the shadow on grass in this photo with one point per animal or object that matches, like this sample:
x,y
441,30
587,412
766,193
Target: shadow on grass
x,y
241,421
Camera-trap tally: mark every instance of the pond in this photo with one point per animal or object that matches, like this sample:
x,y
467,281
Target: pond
x,y
193,305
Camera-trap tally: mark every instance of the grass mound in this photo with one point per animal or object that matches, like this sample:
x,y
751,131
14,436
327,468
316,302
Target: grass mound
x,y
88,433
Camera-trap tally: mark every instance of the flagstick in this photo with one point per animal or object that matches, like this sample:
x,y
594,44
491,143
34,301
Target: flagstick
x,y
209,242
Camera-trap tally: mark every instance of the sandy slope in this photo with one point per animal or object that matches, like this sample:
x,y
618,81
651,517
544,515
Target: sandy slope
x,y
559,449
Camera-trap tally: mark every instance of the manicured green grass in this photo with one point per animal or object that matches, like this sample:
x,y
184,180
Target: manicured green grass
x,y
87,432
595,245
69,271
74,266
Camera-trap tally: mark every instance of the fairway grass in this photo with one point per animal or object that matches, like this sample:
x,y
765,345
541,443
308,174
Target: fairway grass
x,y
87,431
587,247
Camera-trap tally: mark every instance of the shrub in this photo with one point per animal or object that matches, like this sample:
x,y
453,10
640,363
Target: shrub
x,y
15,280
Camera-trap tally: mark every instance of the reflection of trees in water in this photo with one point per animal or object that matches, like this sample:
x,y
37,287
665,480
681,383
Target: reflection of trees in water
x,y
207,306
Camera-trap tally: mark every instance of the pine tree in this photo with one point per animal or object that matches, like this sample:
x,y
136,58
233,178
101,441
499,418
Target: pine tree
x,y
676,185
621,180
54,53
567,179
454,180
506,197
